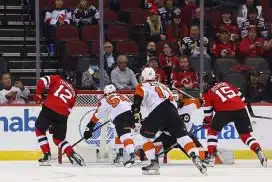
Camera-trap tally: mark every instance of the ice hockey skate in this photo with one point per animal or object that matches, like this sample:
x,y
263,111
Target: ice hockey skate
x,y
133,161
210,160
199,163
261,157
152,169
45,160
75,157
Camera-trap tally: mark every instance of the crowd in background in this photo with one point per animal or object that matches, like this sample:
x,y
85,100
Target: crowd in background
x,y
173,41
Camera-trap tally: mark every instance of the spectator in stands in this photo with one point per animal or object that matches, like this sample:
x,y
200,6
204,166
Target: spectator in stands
x,y
252,45
145,57
167,11
209,31
59,16
109,57
254,20
91,78
160,74
269,89
177,30
168,61
227,22
224,47
184,76
188,11
85,14
122,77
154,26
268,50
13,94
243,11
255,90
190,46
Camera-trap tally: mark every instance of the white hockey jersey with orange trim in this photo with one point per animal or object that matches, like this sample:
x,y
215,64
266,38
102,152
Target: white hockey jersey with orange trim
x,y
190,105
153,94
111,106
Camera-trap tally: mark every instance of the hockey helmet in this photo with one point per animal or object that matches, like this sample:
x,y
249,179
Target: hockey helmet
x,y
148,74
68,75
209,80
109,89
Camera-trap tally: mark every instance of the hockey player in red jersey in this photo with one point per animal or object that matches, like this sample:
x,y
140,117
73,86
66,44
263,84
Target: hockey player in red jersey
x,y
228,104
54,114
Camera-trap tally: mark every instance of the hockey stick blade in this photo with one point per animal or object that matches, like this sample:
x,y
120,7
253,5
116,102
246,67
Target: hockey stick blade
x,y
250,110
97,128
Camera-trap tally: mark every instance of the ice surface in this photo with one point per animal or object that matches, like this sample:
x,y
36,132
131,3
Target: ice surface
x,y
243,171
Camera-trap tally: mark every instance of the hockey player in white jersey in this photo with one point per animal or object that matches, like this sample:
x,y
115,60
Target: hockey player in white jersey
x,y
116,108
157,99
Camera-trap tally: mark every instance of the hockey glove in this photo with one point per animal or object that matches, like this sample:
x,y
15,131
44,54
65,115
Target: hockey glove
x,y
207,123
180,104
37,98
88,133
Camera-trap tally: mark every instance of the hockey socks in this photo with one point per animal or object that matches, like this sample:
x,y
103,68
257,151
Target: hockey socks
x,y
64,146
250,141
43,141
212,141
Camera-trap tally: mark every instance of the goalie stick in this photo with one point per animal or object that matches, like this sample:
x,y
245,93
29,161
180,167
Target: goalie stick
x,y
97,128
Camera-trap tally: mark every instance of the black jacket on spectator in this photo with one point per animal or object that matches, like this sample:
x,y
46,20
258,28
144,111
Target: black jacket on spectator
x,y
209,31
89,16
107,68
255,94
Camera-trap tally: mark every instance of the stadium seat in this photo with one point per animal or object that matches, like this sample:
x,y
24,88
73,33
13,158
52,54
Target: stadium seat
x,y
46,4
224,65
67,33
117,32
110,16
138,17
258,63
267,15
127,47
77,48
71,4
236,79
264,77
95,48
126,4
95,3
90,33
195,63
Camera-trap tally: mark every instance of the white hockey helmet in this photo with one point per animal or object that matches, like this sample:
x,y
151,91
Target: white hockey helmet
x,y
148,74
109,89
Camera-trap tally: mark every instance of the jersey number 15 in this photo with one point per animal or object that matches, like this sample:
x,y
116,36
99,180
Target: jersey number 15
x,y
225,93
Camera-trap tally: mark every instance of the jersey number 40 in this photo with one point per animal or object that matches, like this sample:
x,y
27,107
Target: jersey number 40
x,y
225,93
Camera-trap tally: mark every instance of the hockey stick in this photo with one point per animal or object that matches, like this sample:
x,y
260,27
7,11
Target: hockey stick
x,y
174,145
97,128
181,91
250,110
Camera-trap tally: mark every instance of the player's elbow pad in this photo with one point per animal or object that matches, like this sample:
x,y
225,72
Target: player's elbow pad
x,y
136,106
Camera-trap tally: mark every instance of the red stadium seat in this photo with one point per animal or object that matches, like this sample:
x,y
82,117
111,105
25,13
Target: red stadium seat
x,y
67,33
76,48
267,15
138,17
95,49
127,47
95,3
126,4
90,33
110,16
117,33
48,4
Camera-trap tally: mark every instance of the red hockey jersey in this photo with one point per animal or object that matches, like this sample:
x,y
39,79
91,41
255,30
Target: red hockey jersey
x,y
218,47
222,97
186,77
61,94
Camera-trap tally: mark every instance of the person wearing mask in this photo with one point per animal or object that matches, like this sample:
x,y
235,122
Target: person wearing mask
x,y
13,94
122,77
109,57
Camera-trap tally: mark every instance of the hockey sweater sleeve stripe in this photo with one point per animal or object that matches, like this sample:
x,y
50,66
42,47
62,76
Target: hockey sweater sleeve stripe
x,y
42,84
241,96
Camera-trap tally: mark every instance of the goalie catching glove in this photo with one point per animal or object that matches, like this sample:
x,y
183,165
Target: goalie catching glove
x,y
88,133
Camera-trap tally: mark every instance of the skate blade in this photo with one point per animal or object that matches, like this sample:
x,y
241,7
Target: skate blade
x,y
201,167
44,164
131,164
208,164
151,172
118,164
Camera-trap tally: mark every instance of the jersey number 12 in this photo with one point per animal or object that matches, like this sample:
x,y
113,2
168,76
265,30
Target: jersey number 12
x,y
67,95
225,93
